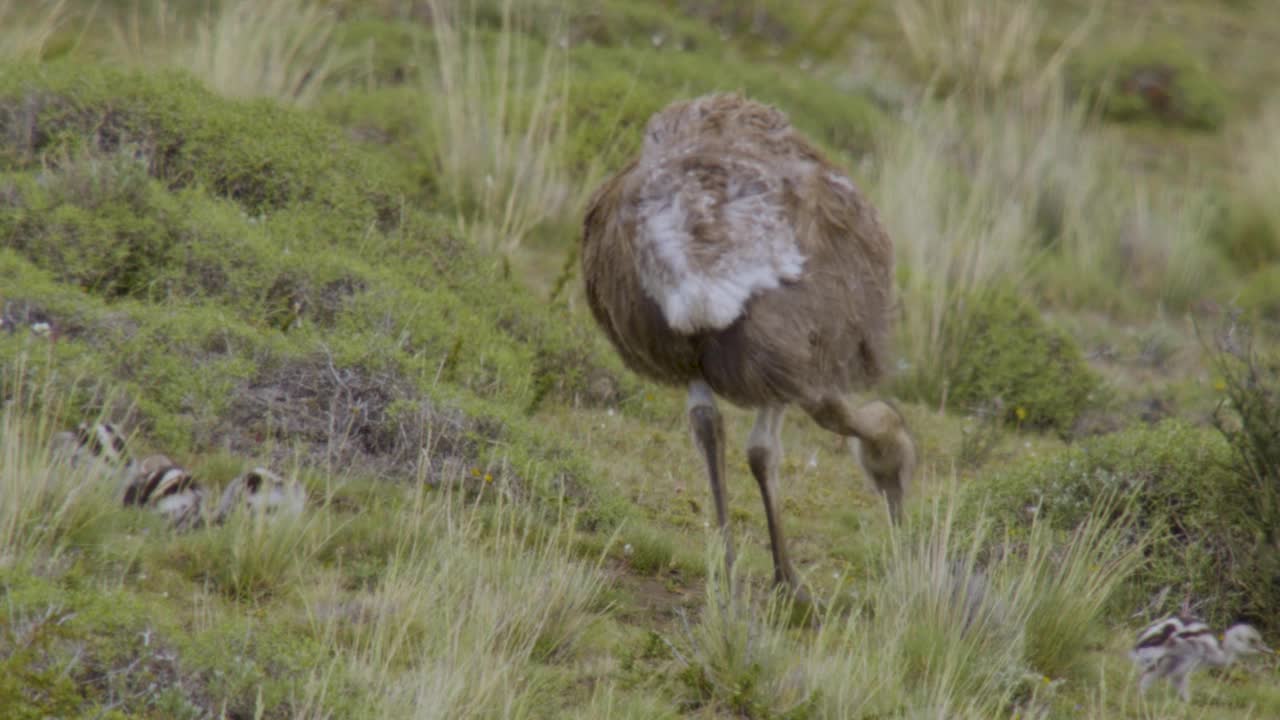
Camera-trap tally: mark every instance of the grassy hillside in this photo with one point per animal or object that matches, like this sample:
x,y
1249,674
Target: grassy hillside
x,y
339,238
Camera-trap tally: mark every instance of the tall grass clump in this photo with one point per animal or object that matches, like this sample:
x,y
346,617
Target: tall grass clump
x,y
950,622
957,231
1248,418
980,47
496,115
277,49
469,606
1072,582
1116,239
1253,215
28,26
738,655
1010,157
250,556
951,629
1029,199
46,505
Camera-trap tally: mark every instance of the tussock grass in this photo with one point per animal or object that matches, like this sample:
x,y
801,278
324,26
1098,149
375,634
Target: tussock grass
x,y
278,49
252,555
946,200
1071,583
468,603
1255,216
1031,199
497,122
27,27
950,633
739,655
984,46
46,505
953,623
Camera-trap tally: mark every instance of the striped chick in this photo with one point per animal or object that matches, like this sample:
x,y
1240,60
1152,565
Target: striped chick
x,y
262,491
1174,647
99,441
162,486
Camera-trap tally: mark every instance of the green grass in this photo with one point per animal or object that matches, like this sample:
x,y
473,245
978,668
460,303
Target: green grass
x,y
497,122
338,238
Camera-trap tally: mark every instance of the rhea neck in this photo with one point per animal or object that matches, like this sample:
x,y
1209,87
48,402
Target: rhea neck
x,y
1222,654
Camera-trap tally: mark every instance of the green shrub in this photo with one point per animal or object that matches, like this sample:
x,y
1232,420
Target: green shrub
x,y
1248,227
384,51
97,221
615,90
1246,232
1159,82
1002,352
260,155
626,23
1205,544
70,646
1259,296
1248,417
236,299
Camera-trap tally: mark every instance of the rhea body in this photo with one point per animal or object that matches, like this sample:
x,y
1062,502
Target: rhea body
x,y
733,259
1174,647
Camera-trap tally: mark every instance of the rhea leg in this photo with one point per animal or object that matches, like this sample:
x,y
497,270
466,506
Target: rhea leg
x,y
885,448
708,436
1180,676
764,451
1145,681
1184,688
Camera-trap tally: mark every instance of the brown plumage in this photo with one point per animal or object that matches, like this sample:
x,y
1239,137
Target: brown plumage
x,y
733,258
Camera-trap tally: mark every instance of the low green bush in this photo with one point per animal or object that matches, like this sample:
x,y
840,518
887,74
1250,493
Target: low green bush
x,y
1205,545
1003,354
615,90
381,51
1248,418
261,155
1259,295
241,274
1158,82
1246,229
70,647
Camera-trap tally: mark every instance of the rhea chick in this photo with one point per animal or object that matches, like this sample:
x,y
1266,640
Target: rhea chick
x,y
262,491
166,488
1174,647
89,442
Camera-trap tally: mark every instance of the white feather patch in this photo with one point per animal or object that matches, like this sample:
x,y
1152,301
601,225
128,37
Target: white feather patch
x,y
701,285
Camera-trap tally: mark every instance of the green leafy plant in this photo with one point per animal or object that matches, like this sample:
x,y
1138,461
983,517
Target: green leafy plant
x,y
1248,418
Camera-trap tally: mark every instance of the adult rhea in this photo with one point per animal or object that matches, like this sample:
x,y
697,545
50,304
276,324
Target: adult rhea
x,y
731,257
